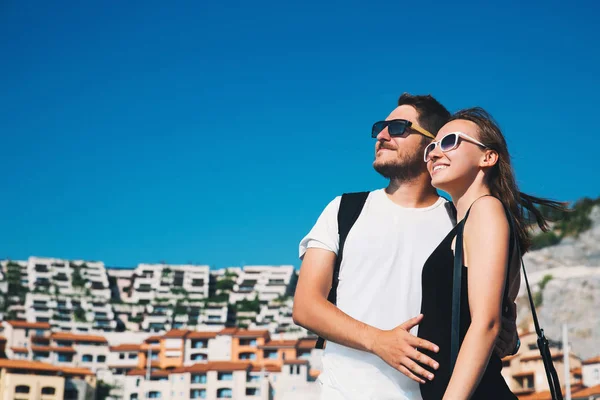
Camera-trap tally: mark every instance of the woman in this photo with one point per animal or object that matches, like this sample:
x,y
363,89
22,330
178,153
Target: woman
x,y
469,160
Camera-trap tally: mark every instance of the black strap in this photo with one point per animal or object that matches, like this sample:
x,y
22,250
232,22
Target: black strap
x,y
542,342
351,206
456,294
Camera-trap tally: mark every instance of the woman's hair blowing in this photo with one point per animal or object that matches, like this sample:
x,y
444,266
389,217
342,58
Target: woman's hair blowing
x,y
501,178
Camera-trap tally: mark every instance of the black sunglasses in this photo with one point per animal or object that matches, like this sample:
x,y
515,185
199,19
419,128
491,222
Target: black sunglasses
x,y
398,128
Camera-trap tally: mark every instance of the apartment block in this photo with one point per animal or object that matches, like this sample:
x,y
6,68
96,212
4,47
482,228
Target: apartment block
x,y
169,282
525,373
30,380
590,371
69,295
19,337
210,380
264,282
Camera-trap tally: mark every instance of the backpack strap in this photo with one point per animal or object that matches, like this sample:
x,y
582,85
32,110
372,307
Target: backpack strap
x,y
351,206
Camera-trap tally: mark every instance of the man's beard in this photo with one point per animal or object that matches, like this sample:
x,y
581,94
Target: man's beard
x,y
404,170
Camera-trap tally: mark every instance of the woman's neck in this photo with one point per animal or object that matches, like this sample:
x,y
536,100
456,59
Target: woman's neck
x,y
464,199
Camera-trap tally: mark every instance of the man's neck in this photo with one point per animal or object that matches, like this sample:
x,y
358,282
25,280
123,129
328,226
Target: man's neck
x,y
416,193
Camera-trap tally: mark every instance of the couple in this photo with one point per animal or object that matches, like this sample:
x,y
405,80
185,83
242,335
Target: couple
x,y
390,335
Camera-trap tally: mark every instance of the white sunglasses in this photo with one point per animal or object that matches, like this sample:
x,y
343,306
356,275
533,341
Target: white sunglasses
x,y
449,142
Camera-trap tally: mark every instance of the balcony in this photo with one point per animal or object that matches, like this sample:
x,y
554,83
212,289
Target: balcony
x,y
41,268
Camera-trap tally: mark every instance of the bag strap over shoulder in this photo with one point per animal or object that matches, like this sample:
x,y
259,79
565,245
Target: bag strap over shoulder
x,y
351,206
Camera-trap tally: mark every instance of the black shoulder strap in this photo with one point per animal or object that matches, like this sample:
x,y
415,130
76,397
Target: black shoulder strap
x,y
351,206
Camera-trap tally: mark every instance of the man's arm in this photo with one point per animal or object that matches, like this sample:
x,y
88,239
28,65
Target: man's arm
x,y
314,312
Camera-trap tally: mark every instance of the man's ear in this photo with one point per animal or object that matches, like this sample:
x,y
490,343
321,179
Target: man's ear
x,y
489,159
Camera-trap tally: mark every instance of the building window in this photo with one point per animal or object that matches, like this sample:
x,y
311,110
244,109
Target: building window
x,y
198,344
225,376
134,396
48,390
247,342
597,374
137,382
271,354
252,392
247,356
121,356
87,358
22,389
294,370
199,357
65,357
199,378
224,394
198,394
154,395
253,378
101,358
132,356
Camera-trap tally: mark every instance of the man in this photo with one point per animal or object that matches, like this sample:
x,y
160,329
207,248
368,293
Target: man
x,y
371,348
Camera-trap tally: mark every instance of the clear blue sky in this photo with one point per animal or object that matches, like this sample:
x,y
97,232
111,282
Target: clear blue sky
x,y
215,132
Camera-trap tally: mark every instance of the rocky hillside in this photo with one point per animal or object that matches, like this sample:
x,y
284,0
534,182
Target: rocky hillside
x,y
566,281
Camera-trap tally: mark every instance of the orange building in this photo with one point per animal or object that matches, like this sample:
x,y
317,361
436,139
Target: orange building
x,y
245,344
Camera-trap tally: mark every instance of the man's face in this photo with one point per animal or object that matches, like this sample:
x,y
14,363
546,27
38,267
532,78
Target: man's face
x,y
400,157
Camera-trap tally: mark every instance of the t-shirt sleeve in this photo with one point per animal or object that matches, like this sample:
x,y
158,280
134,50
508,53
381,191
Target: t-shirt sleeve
x,y
324,234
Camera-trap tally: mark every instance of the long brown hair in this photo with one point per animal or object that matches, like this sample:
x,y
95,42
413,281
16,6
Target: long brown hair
x,y
501,178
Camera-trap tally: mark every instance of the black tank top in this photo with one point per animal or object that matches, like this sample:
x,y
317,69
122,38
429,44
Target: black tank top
x,y
436,306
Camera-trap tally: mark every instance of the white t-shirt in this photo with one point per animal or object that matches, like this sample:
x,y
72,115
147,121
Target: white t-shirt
x,y
380,285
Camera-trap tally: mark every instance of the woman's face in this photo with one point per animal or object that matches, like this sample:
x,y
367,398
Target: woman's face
x,y
454,170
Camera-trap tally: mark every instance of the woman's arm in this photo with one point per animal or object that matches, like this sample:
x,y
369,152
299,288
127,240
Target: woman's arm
x,y
486,246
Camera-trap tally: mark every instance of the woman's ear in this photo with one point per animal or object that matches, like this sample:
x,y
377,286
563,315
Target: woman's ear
x,y
489,159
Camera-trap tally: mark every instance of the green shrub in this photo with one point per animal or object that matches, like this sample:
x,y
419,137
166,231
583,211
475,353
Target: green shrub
x,y
544,239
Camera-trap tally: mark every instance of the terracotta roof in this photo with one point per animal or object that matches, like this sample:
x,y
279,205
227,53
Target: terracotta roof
x,y
78,338
228,331
19,350
123,366
142,372
295,362
126,347
306,344
267,368
243,333
32,366
279,344
38,338
523,373
56,349
588,391
219,366
537,356
76,371
31,325
176,334
153,339
595,360
202,335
